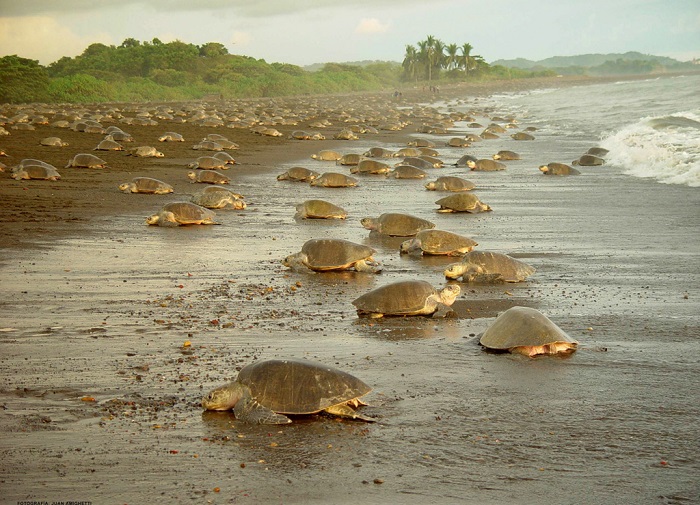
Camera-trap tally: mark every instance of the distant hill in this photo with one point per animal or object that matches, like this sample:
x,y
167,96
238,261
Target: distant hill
x,y
585,60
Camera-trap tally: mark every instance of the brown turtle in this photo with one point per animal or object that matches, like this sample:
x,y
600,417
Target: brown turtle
x,y
485,165
208,177
407,172
324,255
396,224
558,169
462,202
522,136
488,266
524,330
319,209
506,156
181,214
370,167
208,163
450,183
298,174
86,161
265,392
326,155
588,160
406,298
438,243
146,185
334,180
216,197
43,172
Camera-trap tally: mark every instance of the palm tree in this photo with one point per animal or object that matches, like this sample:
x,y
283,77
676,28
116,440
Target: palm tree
x,y
438,55
410,62
451,60
466,58
423,56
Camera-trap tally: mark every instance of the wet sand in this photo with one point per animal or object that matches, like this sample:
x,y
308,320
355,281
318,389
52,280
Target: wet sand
x,y
100,396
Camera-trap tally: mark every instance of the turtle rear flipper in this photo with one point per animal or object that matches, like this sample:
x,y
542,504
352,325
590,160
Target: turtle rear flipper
x,y
345,410
250,411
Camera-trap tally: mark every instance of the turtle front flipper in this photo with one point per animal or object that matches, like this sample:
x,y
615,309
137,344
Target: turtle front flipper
x,y
345,410
250,411
368,265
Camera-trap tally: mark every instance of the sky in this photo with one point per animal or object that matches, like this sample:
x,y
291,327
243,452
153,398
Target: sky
x,y
303,32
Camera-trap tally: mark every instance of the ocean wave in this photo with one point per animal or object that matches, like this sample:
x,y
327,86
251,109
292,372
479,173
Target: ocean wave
x,y
665,148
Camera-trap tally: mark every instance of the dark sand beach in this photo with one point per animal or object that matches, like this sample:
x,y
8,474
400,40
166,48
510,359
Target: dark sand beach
x,y
112,330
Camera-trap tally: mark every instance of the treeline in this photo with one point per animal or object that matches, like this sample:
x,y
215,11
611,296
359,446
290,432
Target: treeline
x,y
157,71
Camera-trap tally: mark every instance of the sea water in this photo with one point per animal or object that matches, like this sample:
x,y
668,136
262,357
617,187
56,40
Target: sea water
x,y
651,127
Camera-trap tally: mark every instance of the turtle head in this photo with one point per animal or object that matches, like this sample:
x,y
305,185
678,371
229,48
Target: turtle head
x,y
153,219
430,186
295,260
369,223
125,187
192,176
239,205
544,169
449,294
224,397
496,156
410,245
455,270
471,164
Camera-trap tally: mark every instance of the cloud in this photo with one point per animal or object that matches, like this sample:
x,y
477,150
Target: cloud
x,y
371,25
43,38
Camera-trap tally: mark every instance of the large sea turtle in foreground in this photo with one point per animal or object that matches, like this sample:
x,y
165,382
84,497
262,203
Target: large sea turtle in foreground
x,y
323,255
488,266
265,391
44,172
406,298
524,330
396,224
438,243
181,213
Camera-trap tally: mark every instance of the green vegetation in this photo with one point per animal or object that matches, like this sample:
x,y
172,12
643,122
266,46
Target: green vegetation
x,y
156,71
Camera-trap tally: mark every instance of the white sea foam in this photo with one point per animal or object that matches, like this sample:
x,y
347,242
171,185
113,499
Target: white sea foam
x,y
666,148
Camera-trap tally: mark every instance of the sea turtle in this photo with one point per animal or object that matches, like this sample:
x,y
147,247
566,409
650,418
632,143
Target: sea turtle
x,y
450,183
464,160
407,172
216,197
458,142
350,159
171,137
31,161
208,177
269,132
598,151
488,266
396,224
406,298
472,138
109,145
320,209
53,142
146,185
420,142
506,156
588,160
119,136
379,152
524,330
265,391
300,135
346,134
86,161
438,243
407,151
558,169
462,202
145,152
417,162
208,145
323,255
326,155
225,157
488,135
496,128
208,163
299,174
485,165
181,213
44,172
370,167
522,136
334,180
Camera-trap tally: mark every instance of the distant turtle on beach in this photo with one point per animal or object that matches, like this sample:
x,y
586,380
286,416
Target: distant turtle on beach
x,y
458,142
265,392
225,157
334,180
396,224
326,155
324,255
558,169
522,136
406,298
86,161
588,160
350,159
208,163
370,167
487,266
145,152
208,145
216,197
438,243
462,202
379,152
298,174
146,185
600,152
109,145
407,172
524,330
464,160
208,177
450,183
181,214
171,137
43,172
319,209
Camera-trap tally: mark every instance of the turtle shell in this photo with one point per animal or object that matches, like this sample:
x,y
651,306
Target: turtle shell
x,y
487,165
408,172
332,254
294,386
216,197
349,159
208,163
398,298
440,242
299,174
334,180
327,155
188,213
370,167
401,225
150,185
450,183
320,209
462,202
522,327
86,161
507,268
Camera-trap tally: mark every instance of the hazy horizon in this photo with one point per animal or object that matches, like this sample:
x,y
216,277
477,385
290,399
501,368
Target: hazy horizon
x,y
319,31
